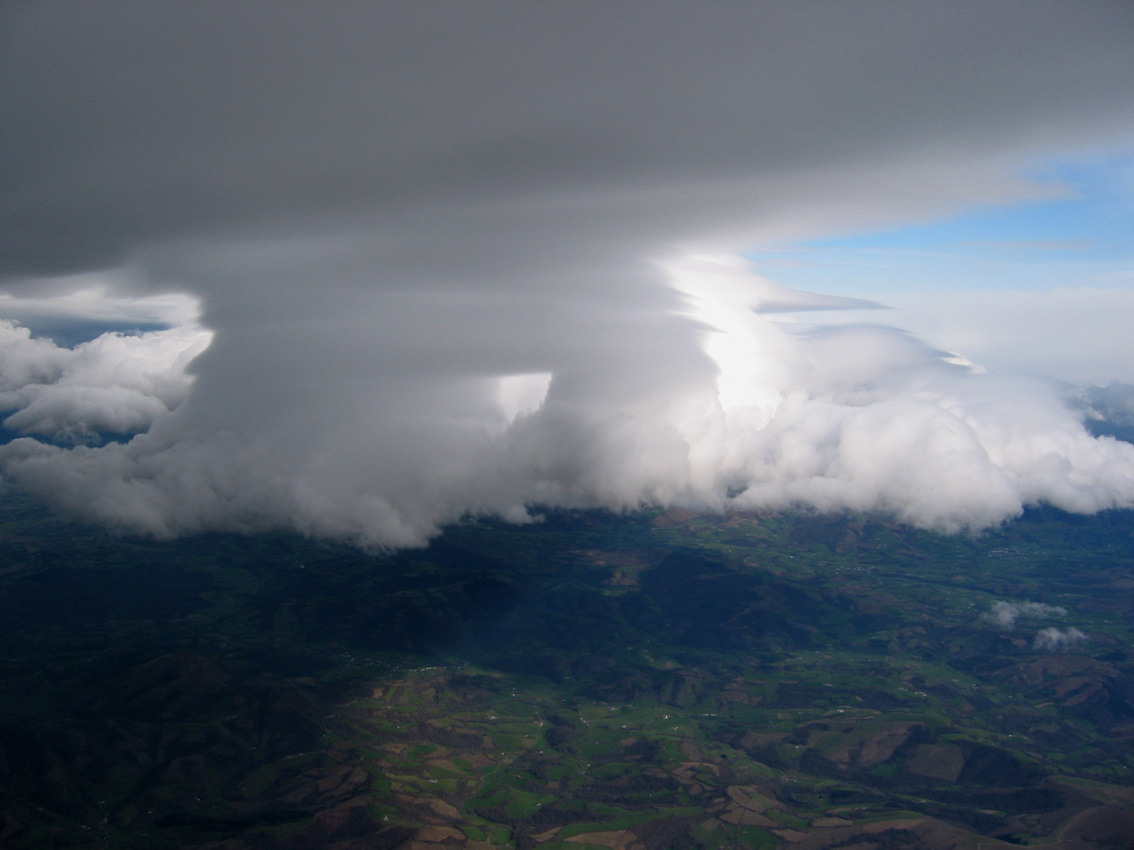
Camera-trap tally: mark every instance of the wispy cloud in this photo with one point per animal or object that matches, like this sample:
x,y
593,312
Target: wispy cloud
x,y
1054,640
1005,614
1028,244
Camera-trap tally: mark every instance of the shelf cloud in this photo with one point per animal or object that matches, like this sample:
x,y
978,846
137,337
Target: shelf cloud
x,y
451,258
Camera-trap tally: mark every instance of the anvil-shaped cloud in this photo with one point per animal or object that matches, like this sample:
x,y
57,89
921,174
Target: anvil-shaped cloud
x,y
448,253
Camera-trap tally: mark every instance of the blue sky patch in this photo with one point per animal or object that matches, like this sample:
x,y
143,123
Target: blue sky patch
x,y
1081,238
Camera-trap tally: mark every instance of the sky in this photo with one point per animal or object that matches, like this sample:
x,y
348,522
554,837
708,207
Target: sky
x,y
1000,282
361,270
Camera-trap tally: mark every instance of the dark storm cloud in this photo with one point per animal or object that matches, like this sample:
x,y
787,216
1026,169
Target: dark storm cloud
x,y
133,122
440,245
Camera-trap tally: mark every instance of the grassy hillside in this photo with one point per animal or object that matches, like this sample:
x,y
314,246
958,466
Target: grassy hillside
x,y
655,680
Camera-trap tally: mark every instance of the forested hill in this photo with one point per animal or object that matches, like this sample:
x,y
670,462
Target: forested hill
x,y
644,681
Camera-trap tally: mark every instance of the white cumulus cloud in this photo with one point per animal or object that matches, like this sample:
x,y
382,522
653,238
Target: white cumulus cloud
x,y
114,383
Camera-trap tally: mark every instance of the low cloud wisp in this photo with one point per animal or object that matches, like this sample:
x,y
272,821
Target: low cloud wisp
x,y
1054,640
1005,614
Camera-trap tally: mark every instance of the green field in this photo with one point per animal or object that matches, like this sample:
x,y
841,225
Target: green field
x,y
650,680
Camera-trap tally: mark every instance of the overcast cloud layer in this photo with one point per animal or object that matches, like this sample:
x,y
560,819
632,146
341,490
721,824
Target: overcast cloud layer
x,y
452,255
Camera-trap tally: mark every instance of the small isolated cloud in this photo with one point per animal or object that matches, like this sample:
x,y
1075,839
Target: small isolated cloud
x,y
1054,640
1005,614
